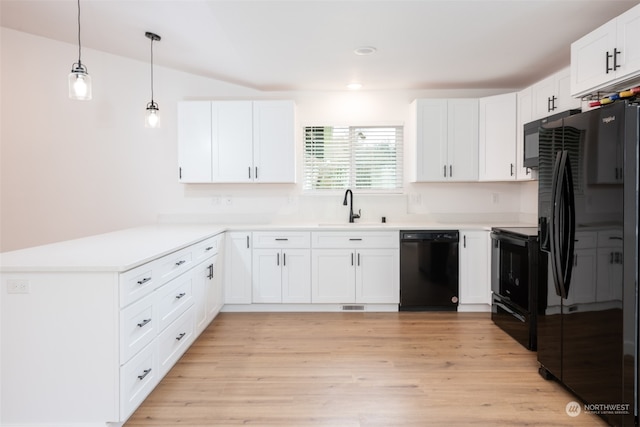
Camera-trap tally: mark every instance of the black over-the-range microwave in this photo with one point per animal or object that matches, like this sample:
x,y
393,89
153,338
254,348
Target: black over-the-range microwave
x,y
532,135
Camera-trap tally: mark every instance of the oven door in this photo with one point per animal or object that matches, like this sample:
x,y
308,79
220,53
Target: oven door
x,y
510,269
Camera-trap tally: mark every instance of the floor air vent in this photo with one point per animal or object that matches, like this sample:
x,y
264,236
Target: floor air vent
x,y
353,308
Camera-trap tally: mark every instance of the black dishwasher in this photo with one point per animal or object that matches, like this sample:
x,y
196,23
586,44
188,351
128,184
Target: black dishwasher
x,y
429,270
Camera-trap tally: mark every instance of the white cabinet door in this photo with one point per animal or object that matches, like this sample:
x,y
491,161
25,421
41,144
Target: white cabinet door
x,y
628,43
431,139
446,140
267,276
475,274
552,95
237,271
377,276
497,143
194,141
606,56
273,141
215,292
232,141
589,58
333,276
463,140
296,276
202,282
525,115
610,279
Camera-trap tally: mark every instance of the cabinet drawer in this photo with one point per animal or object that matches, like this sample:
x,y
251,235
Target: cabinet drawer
x,y
174,264
138,327
174,299
174,340
137,283
368,239
610,239
206,248
287,239
138,377
585,239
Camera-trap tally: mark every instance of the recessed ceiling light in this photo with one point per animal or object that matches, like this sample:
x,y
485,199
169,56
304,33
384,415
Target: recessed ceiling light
x,y
365,50
354,86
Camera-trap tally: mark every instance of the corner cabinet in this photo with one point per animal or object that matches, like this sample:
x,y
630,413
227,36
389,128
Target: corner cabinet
x,y
237,268
607,56
446,139
236,141
475,272
497,138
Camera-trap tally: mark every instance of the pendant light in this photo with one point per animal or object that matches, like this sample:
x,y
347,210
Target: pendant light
x,y
79,79
152,115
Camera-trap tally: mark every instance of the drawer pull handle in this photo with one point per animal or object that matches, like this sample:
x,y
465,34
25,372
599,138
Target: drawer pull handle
x,y
144,322
180,262
282,240
143,281
179,337
180,295
356,240
208,248
615,238
145,373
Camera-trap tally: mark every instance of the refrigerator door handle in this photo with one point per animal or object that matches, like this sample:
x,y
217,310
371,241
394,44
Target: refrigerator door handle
x,y
568,224
554,219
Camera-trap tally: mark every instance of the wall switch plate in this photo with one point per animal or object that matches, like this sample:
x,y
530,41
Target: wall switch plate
x,y
18,286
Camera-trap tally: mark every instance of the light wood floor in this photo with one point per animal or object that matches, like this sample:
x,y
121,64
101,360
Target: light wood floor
x,y
357,369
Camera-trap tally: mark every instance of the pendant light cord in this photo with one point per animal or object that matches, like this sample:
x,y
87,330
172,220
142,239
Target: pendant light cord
x,y
79,44
151,70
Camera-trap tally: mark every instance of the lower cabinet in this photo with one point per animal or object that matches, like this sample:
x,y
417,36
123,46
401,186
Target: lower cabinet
x,y
350,267
237,268
475,269
281,276
207,289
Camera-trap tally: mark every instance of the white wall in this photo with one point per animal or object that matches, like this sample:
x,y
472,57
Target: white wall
x,y
71,169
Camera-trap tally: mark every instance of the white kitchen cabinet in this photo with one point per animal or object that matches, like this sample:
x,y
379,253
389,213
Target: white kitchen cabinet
x,y
497,138
103,321
236,141
237,268
525,115
474,268
361,268
552,95
446,139
281,267
202,288
607,56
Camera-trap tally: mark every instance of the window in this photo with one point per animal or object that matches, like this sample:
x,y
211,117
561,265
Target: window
x,y
358,157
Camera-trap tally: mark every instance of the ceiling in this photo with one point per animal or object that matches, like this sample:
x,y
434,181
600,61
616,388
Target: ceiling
x,y
308,44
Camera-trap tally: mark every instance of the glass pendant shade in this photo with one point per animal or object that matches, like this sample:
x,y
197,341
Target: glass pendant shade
x,y
79,83
152,116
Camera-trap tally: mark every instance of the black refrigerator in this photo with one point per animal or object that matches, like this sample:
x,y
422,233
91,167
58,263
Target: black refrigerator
x,y
588,227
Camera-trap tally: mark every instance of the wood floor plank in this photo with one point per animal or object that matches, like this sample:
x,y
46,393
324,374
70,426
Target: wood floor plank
x,y
357,369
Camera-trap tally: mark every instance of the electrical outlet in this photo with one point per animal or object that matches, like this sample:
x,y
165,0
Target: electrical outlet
x,y
495,198
18,286
228,200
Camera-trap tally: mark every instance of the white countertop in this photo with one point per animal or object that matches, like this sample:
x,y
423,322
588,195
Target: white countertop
x,y
116,251
125,249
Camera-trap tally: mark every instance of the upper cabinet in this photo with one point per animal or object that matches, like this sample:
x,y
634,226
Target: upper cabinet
x,y
447,139
236,141
608,56
497,138
553,95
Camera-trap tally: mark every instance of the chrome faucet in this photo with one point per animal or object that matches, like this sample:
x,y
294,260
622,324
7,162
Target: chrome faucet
x,y
352,216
